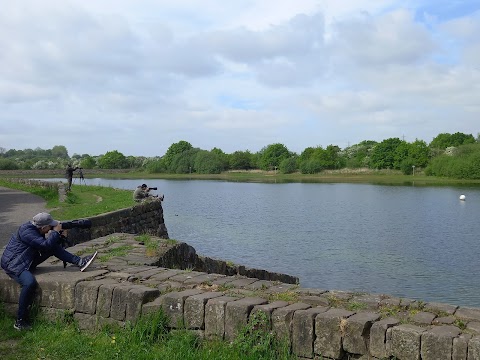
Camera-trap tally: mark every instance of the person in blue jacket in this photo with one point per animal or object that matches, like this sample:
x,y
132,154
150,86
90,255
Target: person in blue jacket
x,y
33,243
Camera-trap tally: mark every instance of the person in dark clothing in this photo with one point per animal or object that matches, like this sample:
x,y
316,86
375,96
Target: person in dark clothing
x,y
33,243
69,175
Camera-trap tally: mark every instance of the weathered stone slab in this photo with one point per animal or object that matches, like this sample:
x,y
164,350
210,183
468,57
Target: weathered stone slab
x,y
164,275
437,343
268,309
314,300
474,327
242,282
188,275
440,307
215,316
119,301
104,300
460,347
371,301
85,321
86,295
194,311
282,320
303,331
405,341
378,337
57,285
259,285
329,331
137,296
236,314
468,313
310,291
173,305
202,279
474,348
357,332
423,318
446,320
146,274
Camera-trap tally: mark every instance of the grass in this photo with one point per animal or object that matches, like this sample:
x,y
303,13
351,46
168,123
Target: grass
x,y
83,201
149,338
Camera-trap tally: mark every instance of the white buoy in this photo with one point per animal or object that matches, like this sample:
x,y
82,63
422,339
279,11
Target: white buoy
x,y
462,197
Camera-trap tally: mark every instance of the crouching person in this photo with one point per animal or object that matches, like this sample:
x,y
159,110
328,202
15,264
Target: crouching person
x,y
33,243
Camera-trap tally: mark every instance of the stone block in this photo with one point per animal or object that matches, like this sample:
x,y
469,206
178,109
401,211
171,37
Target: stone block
x,y
405,341
9,289
173,304
237,313
474,348
85,321
86,295
460,347
282,320
329,331
314,300
57,285
468,313
215,316
268,309
303,331
437,342
440,307
423,318
474,327
137,296
119,301
195,309
104,300
357,332
378,337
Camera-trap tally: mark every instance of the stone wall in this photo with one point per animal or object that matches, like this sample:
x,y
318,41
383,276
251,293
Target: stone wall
x,y
316,323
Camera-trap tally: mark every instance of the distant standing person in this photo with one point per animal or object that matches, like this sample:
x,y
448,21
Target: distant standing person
x,y
69,175
142,193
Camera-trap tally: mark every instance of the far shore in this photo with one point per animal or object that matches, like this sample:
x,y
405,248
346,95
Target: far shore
x,y
366,176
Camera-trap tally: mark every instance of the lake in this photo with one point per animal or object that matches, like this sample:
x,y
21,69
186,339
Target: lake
x,y
413,242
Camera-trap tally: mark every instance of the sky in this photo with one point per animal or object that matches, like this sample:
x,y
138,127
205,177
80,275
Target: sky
x,y
137,76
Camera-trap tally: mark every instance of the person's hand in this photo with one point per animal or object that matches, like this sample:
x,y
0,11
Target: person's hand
x,y
58,227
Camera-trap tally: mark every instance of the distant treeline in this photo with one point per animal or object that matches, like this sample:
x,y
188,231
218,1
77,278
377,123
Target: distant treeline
x,y
450,155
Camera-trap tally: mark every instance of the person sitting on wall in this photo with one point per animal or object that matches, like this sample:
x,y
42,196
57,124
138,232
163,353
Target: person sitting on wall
x,y
142,193
34,242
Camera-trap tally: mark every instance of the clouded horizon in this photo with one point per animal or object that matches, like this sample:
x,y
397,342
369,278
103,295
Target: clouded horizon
x,y
138,76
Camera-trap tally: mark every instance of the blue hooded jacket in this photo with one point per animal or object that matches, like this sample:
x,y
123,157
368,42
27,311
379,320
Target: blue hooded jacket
x,y
24,246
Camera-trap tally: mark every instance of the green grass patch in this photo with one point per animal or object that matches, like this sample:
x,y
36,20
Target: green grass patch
x,y
116,252
148,339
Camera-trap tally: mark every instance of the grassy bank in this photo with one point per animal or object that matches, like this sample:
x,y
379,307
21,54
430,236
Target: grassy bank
x,y
82,201
149,338
379,177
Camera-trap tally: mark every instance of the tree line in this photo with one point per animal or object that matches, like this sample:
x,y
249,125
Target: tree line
x,y
452,155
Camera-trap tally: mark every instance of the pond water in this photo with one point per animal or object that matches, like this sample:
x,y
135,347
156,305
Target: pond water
x,y
414,242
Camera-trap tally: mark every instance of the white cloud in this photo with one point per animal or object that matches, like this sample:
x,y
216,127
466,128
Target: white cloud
x,y
235,76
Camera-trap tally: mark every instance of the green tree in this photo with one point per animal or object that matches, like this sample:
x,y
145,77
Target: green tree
x,y
184,162
241,160
444,140
60,151
113,160
208,162
88,162
289,166
272,155
383,154
174,150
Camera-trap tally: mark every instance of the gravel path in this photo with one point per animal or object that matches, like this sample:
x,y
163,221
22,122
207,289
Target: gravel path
x,y
17,207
